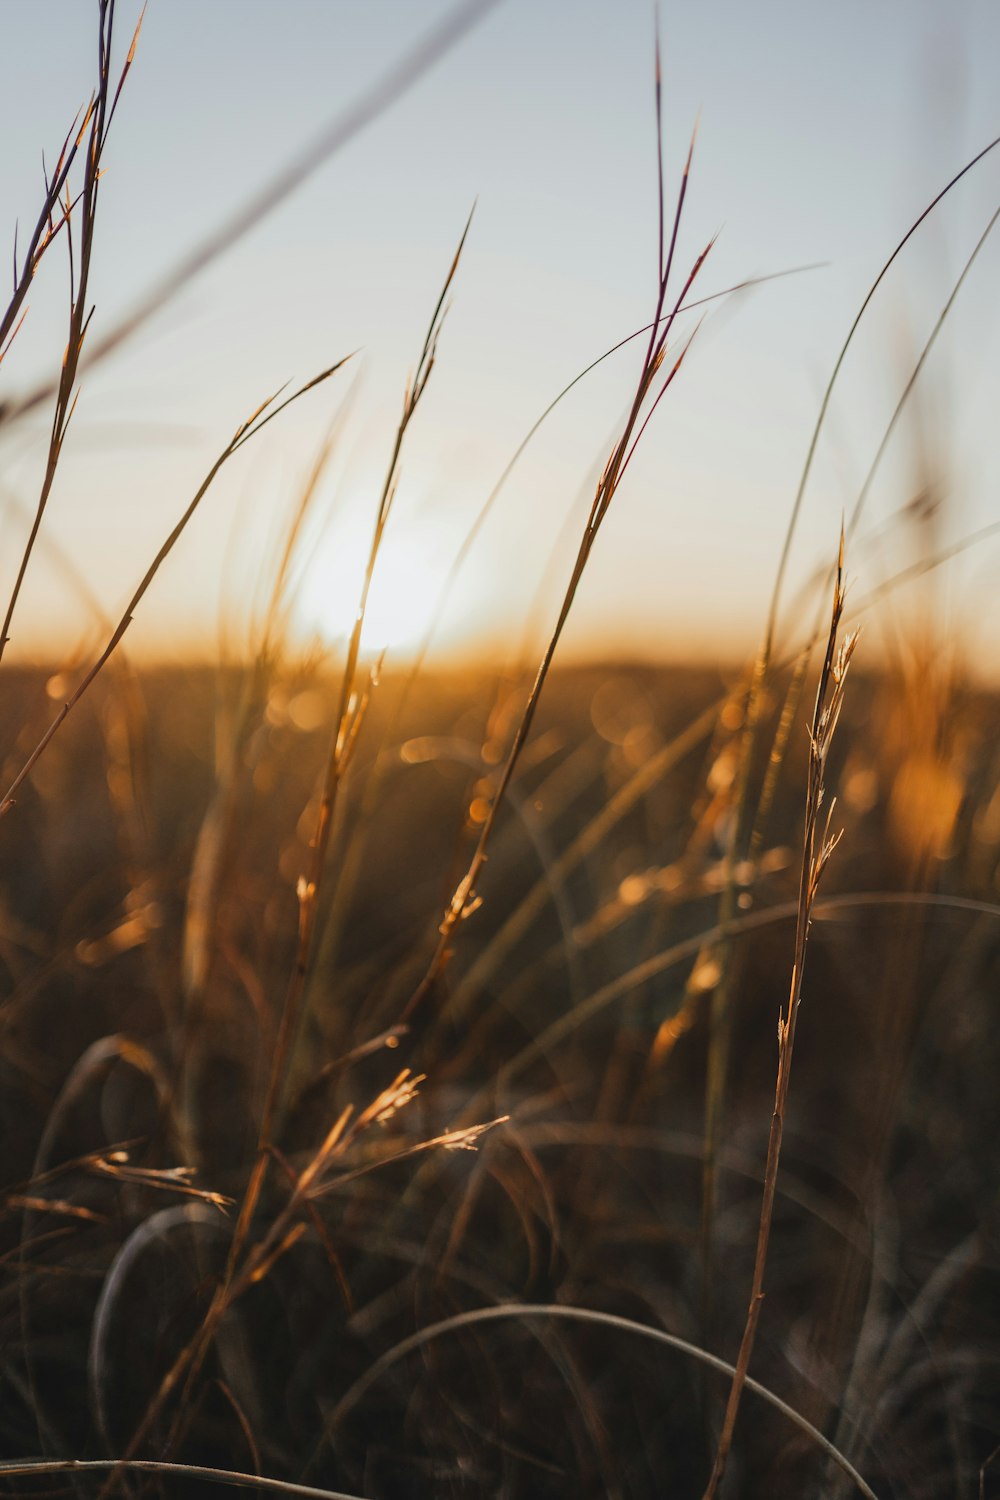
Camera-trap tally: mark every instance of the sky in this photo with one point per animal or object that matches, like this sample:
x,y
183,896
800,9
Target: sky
x,y
823,132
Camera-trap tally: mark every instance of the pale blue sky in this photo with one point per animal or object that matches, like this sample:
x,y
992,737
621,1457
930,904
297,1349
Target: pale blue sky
x,y
824,131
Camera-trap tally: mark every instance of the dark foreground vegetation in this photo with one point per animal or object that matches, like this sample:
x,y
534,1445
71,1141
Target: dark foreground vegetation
x,y
149,929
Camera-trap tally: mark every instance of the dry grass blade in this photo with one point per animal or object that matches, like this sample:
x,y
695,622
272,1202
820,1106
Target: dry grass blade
x,y
54,1206
398,79
313,1182
828,393
461,1138
465,547
584,1315
748,811
589,839
465,900
80,257
30,1467
572,1021
984,1468
247,430
163,1179
77,1163
818,846
53,217
486,508
780,746
351,707
215,841
350,712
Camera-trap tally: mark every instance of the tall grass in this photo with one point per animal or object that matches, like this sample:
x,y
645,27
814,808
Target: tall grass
x,y
389,1086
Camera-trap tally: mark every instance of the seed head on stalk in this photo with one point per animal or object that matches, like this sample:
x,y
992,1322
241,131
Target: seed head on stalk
x,y
816,851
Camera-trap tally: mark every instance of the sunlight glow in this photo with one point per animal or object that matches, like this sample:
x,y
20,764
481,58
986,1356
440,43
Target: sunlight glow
x,y
409,575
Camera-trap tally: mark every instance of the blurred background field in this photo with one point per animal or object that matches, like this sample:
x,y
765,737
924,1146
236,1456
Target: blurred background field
x,y
882,1290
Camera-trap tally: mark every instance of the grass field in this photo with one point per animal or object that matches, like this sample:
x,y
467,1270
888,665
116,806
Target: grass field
x,y
561,1015
390,1091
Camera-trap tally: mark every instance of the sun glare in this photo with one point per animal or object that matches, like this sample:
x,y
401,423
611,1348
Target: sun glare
x,y
409,577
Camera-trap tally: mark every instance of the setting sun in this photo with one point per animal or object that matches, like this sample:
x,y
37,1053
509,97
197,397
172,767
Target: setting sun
x,y
409,576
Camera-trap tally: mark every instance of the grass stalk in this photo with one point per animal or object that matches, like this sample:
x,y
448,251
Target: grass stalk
x,y
746,808
389,87
244,434
590,1317
817,849
95,126
465,900
351,708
